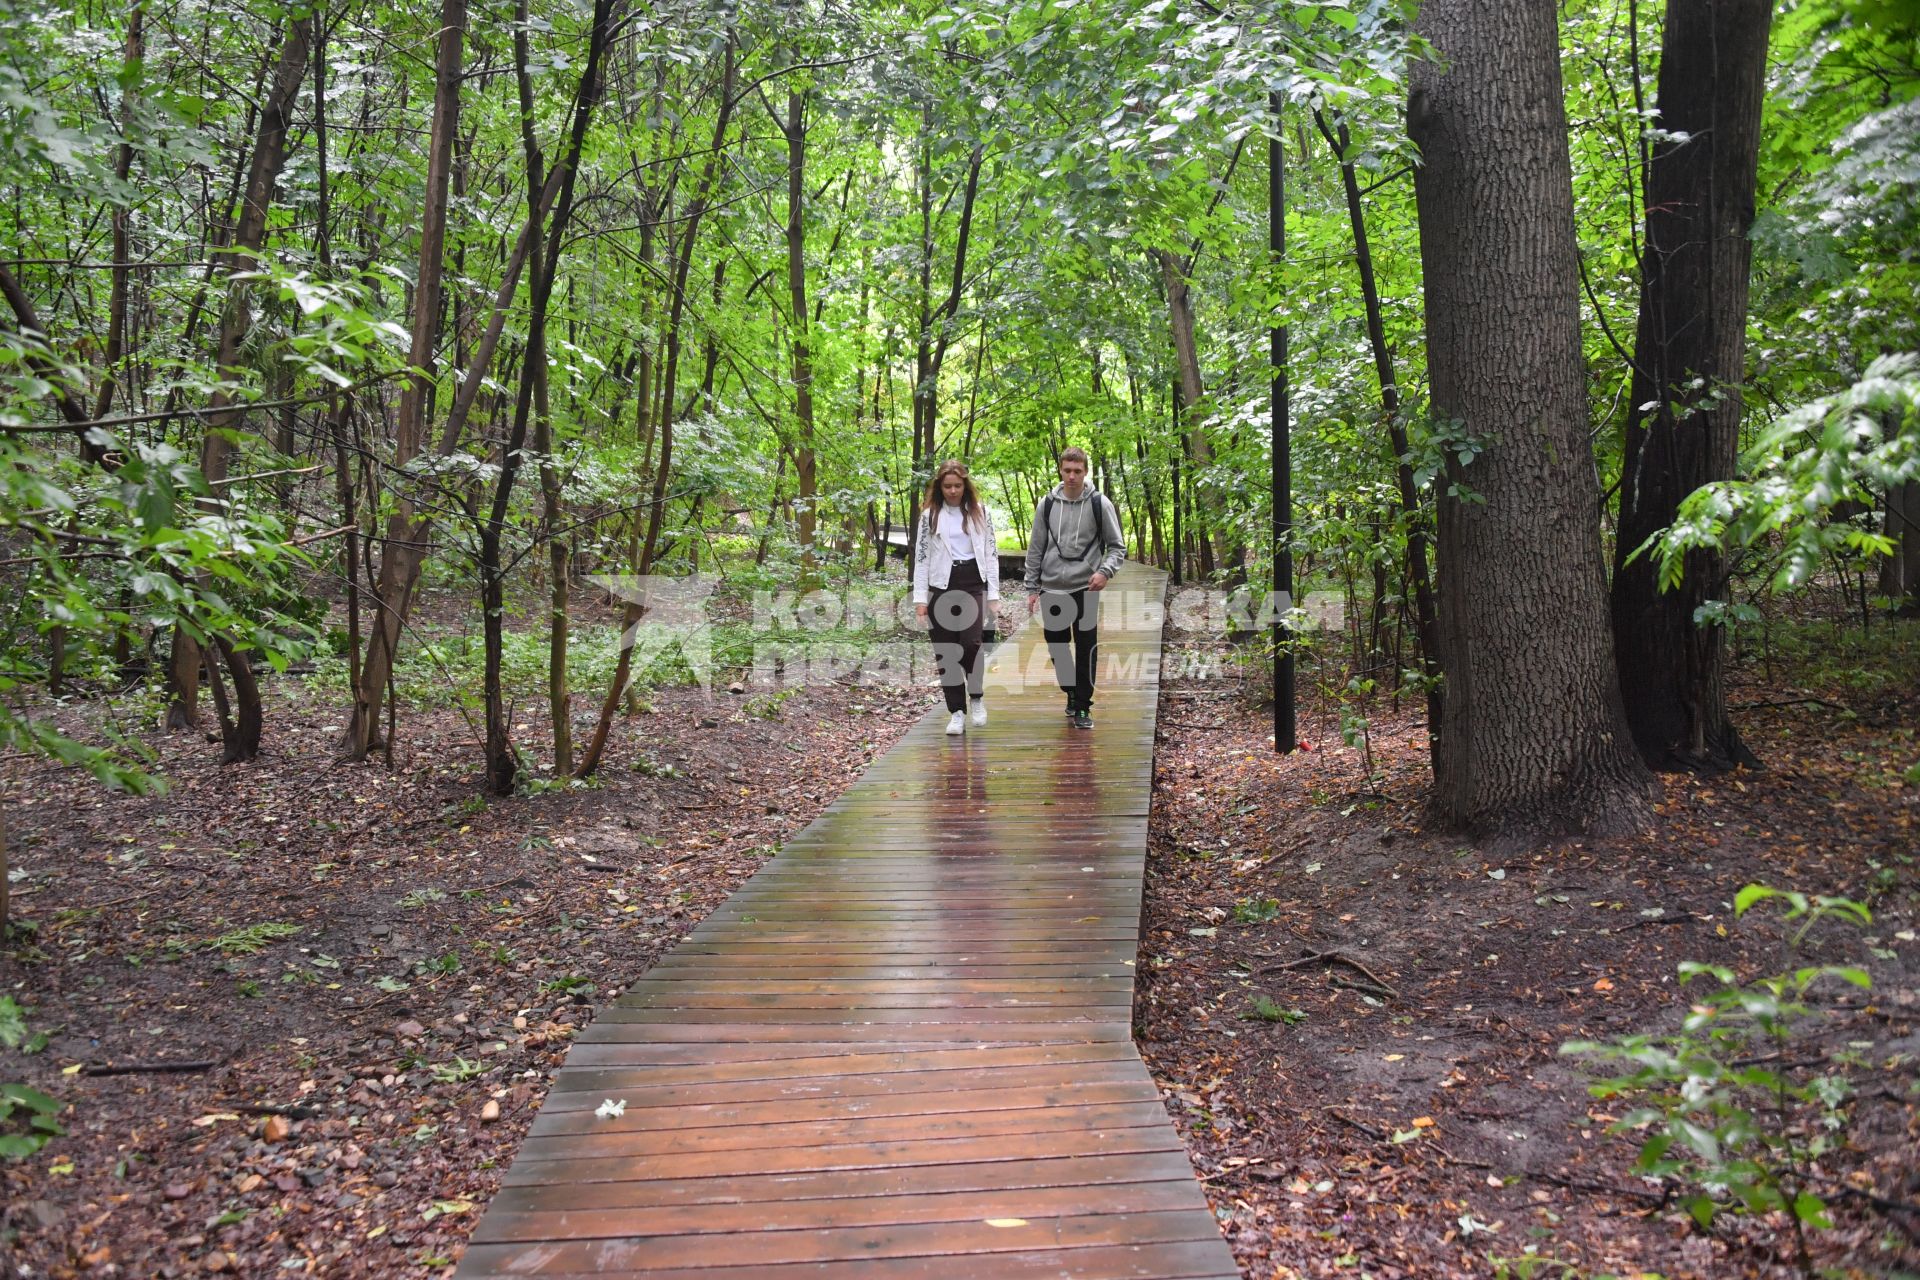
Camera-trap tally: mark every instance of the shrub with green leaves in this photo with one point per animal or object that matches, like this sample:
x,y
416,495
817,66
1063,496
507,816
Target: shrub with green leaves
x,y
1728,1109
26,1121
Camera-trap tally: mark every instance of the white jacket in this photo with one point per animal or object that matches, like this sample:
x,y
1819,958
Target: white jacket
x,y
933,561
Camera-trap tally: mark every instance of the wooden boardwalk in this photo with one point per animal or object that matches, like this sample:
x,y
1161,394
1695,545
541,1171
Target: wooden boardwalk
x,y
900,1051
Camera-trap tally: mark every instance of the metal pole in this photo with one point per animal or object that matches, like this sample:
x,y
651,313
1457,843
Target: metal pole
x,y
1285,737
1179,447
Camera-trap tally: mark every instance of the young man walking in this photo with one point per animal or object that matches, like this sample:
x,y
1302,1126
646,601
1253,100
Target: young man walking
x,y
1076,546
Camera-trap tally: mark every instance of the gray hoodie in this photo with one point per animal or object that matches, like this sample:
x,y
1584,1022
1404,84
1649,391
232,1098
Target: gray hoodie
x,y
1081,537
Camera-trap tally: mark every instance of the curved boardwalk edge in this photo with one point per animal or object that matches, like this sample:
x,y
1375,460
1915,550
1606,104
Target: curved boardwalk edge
x,y
901,1050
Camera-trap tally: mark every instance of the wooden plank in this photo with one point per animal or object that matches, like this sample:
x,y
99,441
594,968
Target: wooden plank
x,y
979,1240
847,1066
1197,1260
574,1170
811,1135
640,1090
979,1101
569,1222
902,1181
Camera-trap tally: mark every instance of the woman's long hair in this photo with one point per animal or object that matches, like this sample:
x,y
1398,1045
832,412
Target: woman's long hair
x,y
970,509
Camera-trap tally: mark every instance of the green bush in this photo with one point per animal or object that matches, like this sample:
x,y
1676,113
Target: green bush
x,y
1730,1109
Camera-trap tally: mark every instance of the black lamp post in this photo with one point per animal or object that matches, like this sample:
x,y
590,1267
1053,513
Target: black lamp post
x,y
1285,737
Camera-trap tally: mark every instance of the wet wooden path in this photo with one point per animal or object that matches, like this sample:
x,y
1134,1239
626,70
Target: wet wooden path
x,y
901,1051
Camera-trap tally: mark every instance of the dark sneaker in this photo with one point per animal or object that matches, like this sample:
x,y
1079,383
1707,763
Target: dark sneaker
x,y
1083,719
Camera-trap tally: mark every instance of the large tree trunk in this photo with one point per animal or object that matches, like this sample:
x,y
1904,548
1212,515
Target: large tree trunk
x,y
1683,427
1900,572
1534,735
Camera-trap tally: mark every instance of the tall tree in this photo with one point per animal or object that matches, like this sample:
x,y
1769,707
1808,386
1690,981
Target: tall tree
x,y
1683,424
794,127
1534,734
405,548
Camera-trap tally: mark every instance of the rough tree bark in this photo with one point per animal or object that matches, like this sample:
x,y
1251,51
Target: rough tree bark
x,y
1534,735
1689,358
1900,572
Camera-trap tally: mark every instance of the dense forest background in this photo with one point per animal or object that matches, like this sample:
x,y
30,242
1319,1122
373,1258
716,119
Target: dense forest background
x,y
316,309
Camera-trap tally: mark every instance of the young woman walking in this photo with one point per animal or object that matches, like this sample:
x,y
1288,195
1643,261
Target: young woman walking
x,y
956,579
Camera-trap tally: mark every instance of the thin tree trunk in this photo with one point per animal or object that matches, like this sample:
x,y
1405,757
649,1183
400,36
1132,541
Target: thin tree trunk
x,y
936,323
795,129
134,56
543,248
1416,516
682,266
1223,547
1534,736
236,322
1683,425
405,548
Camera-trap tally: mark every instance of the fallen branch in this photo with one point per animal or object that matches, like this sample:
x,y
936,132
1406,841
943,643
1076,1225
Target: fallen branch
x,y
1600,1188
1378,1135
1788,702
1903,1214
1364,988
149,1068
292,1111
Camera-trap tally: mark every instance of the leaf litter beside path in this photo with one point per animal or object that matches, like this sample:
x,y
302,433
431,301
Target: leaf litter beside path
x,y
332,997
1356,1022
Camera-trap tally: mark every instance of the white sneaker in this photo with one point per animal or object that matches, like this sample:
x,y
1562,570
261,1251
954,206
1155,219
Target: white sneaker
x,y
979,711
956,724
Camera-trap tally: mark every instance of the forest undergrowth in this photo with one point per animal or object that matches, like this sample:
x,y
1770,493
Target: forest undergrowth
x,y
1359,1022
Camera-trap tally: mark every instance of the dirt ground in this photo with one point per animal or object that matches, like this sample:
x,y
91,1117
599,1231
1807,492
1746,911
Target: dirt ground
x,y
339,1096
1407,1111
341,1100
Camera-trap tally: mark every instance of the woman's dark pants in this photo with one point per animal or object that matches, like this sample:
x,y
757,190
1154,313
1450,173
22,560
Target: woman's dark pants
x,y
956,614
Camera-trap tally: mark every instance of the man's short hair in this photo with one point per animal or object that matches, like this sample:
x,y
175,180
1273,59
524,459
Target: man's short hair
x,y
1074,453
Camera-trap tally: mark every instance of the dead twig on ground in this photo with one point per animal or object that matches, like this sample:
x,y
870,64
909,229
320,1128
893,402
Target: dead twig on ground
x,y
1331,957
1656,1198
1378,1135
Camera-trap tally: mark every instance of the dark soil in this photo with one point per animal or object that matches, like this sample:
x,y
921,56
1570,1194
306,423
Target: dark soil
x,y
1410,1113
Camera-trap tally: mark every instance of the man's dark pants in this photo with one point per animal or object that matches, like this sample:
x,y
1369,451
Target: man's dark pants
x,y
1070,621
